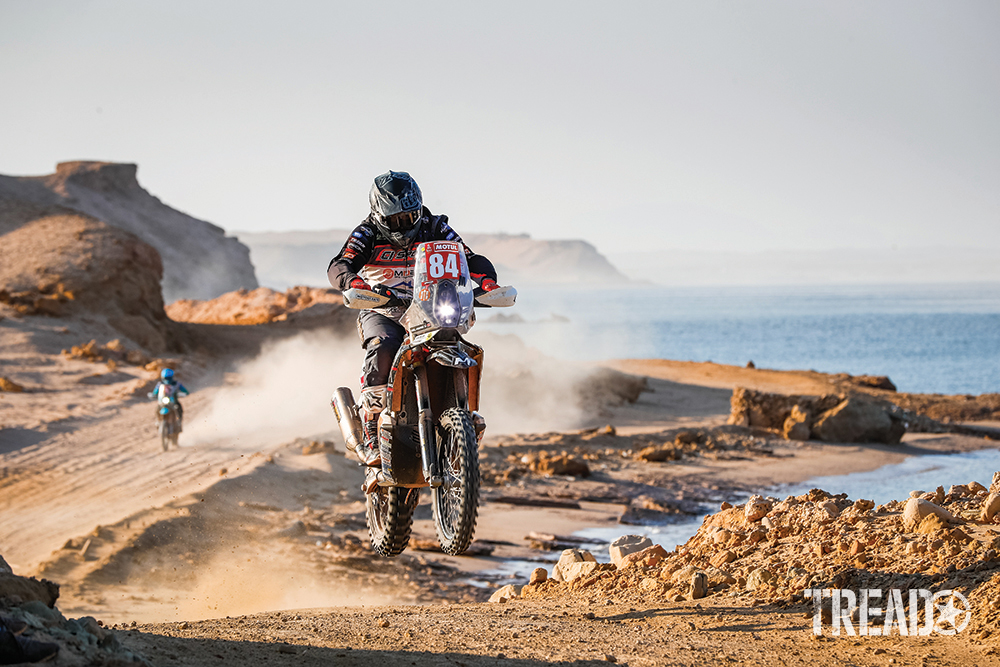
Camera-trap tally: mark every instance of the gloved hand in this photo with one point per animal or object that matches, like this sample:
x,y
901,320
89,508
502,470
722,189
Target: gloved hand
x,y
382,290
359,283
488,285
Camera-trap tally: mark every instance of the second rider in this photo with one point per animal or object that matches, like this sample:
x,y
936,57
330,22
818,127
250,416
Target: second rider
x,y
378,256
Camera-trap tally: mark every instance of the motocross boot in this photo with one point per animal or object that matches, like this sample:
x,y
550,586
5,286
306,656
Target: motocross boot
x,y
372,404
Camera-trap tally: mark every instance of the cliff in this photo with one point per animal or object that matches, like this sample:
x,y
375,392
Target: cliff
x,y
199,260
284,259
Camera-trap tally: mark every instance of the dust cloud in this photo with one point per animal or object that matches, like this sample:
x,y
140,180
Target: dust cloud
x,y
282,394
525,391
256,579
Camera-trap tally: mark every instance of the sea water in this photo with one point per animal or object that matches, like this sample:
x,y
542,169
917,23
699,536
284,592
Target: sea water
x,y
926,338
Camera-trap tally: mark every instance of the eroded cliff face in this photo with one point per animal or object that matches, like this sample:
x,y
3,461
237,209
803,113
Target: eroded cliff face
x,y
199,261
284,259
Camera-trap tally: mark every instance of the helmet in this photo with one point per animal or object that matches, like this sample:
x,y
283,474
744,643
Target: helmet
x,y
167,374
397,206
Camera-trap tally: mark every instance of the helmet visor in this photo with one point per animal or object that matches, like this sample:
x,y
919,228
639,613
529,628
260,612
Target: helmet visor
x,y
403,222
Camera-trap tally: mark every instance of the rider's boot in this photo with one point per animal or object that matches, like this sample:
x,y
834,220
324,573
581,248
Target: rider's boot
x,y
372,404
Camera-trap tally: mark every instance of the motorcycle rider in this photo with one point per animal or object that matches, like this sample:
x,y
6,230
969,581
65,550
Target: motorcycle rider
x,y
378,256
173,388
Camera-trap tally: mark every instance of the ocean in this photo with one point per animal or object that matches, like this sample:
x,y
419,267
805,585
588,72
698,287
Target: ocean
x,y
926,338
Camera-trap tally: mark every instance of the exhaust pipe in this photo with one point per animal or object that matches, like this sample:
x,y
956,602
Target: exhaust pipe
x,y
347,416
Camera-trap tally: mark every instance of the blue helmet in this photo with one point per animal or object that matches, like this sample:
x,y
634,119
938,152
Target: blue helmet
x,y
167,374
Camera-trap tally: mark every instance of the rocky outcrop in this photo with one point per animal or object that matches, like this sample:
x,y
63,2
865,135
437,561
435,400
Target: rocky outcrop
x,y
813,540
831,418
199,261
263,305
64,263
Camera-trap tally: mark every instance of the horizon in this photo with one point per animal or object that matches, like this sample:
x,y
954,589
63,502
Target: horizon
x,y
696,128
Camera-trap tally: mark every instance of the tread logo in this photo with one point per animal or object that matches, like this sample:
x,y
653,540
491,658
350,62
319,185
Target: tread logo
x,y
946,612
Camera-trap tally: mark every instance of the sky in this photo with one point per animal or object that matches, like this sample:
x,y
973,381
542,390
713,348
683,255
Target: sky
x,y
698,126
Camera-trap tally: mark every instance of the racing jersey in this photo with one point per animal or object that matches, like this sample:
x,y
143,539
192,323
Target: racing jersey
x,y
370,256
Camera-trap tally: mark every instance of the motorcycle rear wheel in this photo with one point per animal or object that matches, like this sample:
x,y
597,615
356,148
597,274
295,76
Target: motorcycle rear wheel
x,y
456,501
389,513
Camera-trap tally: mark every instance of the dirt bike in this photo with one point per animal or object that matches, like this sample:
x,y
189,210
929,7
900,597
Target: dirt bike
x,y
429,431
168,419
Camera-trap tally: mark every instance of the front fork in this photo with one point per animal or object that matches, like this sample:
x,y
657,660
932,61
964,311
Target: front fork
x,y
425,426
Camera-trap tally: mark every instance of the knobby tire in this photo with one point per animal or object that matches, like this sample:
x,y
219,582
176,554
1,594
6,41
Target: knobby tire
x,y
456,502
389,513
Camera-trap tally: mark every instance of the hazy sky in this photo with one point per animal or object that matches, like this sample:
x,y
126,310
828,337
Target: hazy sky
x,y
697,125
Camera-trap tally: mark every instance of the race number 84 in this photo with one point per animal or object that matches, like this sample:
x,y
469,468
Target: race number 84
x,y
443,264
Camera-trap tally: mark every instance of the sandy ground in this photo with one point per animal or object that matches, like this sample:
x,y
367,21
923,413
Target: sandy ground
x,y
237,526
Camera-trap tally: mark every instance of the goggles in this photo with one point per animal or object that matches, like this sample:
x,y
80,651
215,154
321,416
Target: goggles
x,y
403,222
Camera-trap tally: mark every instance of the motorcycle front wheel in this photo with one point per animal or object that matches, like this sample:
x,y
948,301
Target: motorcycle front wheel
x,y
389,512
456,501
164,434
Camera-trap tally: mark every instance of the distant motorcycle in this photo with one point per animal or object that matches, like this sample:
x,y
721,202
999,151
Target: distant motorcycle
x,y
429,432
169,424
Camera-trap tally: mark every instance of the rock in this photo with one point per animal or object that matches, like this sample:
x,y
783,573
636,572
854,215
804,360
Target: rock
x,y
627,544
504,594
862,505
29,588
756,508
990,507
916,509
758,578
577,570
648,557
995,484
931,524
9,385
830,507
725,505
976,487
858,419
717,577
538,575
699,585
796,426
938,495
723,558
563,464
4,567
567,558
655,454
958,490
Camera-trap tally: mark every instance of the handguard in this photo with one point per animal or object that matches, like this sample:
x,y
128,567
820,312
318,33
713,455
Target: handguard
x,y
501,297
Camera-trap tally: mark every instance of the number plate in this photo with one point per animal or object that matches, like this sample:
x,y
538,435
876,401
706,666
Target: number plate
x,y
443,261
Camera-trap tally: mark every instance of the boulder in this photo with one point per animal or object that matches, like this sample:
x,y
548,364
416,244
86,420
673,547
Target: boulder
x,y
538,575
648,557
796,426
28,588
625,545
990,508
699,585
567,558
995,484
916,509
858,419
756,508
577,570
758,578
504,594
830,508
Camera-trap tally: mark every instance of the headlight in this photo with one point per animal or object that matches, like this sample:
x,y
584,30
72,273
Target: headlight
x,y
447,307
165,400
